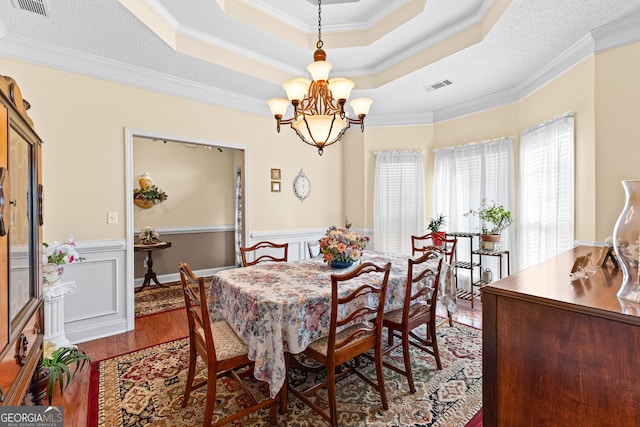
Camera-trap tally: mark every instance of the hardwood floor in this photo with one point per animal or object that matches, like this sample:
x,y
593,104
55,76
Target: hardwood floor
x,y
163,327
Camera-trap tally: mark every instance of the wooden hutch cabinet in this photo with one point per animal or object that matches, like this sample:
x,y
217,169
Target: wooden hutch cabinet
x,y
21,304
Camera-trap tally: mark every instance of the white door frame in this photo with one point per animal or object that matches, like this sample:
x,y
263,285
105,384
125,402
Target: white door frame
x,y
129,134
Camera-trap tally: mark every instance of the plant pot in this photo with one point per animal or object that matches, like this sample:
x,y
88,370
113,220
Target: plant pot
x,y
438,238
341,264
51,274
490,242
144,204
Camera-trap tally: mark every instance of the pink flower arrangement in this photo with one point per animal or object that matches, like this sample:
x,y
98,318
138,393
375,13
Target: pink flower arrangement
x,y
60,253
342,244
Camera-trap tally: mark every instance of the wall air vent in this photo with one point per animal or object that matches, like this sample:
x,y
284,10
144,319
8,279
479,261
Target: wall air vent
x,y
434,86
35,6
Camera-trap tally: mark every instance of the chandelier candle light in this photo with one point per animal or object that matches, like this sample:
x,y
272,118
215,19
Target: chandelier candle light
x,y
318,117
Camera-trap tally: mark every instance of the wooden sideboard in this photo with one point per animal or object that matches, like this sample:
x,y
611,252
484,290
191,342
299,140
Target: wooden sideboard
x,y
558,352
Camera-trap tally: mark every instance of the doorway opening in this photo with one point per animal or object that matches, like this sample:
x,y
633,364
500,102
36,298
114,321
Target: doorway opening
x,y
193,209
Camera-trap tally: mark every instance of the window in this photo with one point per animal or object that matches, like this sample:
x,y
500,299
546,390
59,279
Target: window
x,y
463,177
467,174
398,200
545,214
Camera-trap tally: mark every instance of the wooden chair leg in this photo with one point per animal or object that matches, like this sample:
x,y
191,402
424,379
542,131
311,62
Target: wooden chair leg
x,y
331,391
210,406
273,409
190,375
434,342
407,362
380,375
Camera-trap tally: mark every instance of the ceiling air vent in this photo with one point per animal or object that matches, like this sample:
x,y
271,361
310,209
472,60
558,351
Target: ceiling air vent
x,y
315,2
434,86
35,6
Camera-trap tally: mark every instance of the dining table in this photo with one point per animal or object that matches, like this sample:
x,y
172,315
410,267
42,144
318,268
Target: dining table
x,y
281,307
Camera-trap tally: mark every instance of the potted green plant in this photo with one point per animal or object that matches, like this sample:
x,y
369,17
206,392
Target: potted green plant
x,y
494,220
434,225
58,360
145,197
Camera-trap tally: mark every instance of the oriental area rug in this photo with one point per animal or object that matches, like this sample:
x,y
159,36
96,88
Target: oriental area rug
x,y
157,299
145,387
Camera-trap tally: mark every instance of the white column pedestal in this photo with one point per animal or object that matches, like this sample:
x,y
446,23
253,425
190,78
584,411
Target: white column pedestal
x,y
54,312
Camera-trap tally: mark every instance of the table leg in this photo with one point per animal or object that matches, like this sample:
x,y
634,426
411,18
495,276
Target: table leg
x,y
150,275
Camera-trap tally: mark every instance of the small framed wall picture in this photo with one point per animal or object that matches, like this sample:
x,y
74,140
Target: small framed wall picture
x,y
275,186
275,174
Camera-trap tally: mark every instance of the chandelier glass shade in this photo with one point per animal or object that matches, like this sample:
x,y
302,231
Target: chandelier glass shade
x,y
319,117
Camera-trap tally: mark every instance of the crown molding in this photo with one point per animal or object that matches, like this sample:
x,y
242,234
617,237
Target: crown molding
x,y
494,100
610,36
64,59
624,31
399,119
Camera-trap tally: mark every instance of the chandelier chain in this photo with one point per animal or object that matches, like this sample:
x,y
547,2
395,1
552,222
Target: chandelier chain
x,y
319,43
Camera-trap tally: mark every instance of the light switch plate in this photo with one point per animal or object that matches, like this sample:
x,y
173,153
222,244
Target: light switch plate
x,y
112,217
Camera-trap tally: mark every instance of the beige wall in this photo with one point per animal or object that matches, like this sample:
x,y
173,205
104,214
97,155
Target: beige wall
x,y
394,138
603,92
617,109
572,91
199,184
82,122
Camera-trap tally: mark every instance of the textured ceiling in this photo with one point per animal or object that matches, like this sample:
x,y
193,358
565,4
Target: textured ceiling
x,y
237,52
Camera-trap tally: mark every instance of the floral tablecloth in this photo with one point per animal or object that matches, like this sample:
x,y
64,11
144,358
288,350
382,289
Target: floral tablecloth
x,y
284,306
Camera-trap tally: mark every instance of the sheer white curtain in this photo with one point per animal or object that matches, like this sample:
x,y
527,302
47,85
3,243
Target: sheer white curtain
x,y
467,174
398,200
546,190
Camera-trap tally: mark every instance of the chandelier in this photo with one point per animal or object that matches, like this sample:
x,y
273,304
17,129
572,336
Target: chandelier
x,y
318,117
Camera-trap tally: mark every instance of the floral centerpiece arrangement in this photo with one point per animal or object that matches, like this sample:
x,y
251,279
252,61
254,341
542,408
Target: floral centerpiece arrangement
x,y
340,247
149,236
55,256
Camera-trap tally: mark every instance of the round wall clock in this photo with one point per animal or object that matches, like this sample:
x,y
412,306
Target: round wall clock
x,y
301,186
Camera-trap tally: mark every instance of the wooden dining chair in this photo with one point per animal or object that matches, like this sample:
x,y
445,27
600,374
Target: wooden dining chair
x,y
419,243
344,343
419,308
222,350
264,251
314,248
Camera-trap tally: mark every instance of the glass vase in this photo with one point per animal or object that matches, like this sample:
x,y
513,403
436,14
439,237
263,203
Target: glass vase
x,y
626,241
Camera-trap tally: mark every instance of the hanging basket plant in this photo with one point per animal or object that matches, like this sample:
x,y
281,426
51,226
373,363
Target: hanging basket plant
x,y
146,197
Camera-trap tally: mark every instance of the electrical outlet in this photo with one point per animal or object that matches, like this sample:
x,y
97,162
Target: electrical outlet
x,y
145,262
112,217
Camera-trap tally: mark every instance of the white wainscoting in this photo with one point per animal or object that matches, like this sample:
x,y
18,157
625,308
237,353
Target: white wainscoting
x,y
98,308
297,239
